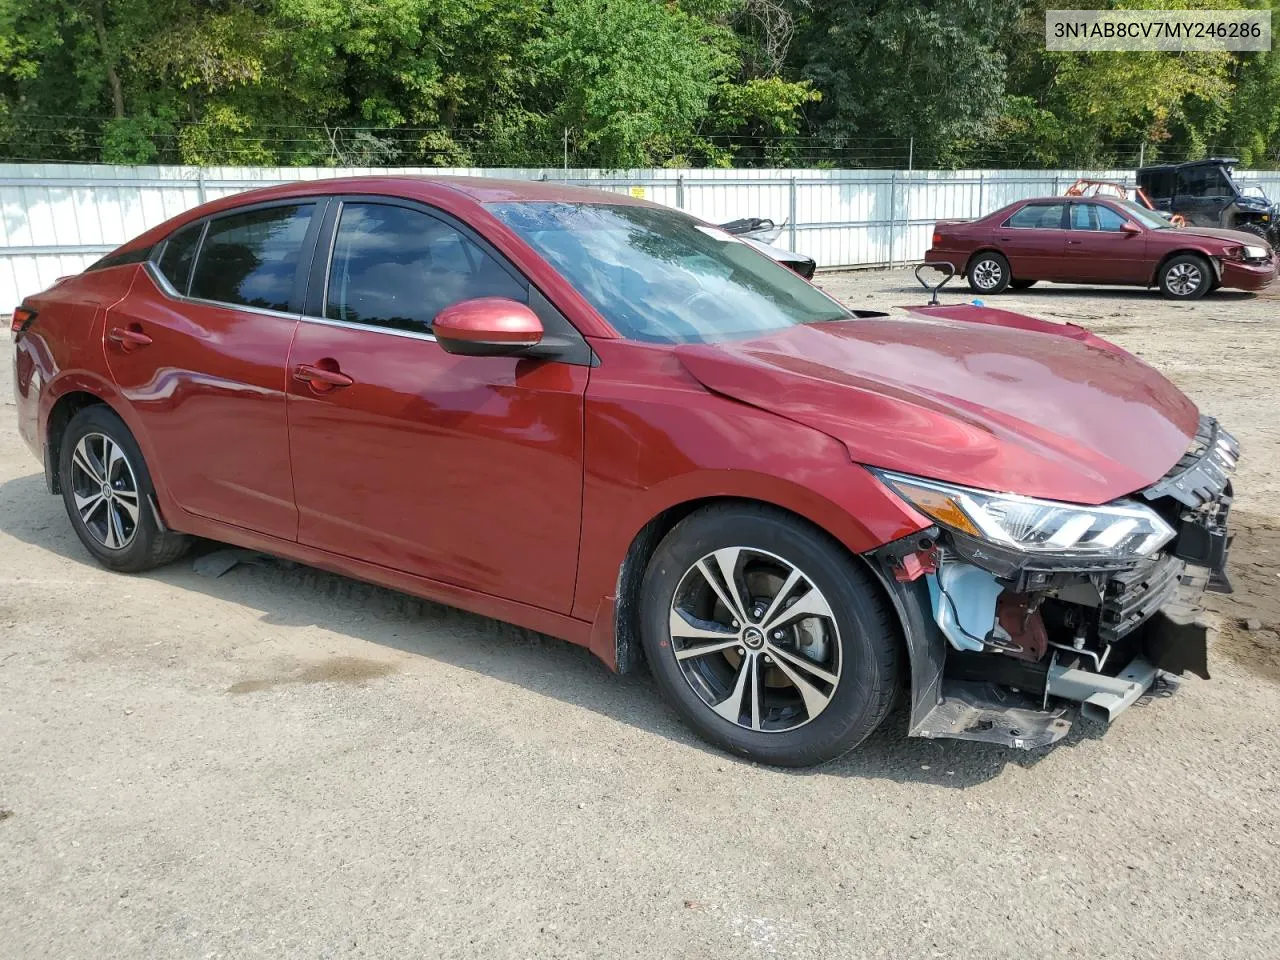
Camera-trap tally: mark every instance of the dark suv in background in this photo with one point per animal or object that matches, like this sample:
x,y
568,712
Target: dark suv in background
x,y
1205,193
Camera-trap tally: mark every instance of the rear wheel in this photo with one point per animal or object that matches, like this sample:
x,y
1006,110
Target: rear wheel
x,y
1186,277
108,494
989,273
767,638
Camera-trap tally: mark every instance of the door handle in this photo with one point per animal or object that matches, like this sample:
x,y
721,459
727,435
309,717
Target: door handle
x,y
1076,242
128,338
320,378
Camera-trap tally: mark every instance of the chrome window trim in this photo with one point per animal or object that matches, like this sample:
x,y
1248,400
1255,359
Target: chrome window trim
x,y
370,328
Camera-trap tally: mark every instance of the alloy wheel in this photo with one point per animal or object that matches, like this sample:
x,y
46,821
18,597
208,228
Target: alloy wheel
x,y
755,639
1183,279
987,274
105,490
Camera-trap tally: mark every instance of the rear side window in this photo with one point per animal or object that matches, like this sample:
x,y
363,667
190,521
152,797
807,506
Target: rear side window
x,y
396,267
1038,216
179,252
251,258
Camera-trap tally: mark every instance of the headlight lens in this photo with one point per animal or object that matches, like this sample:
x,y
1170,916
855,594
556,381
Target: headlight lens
x,y
1255,253
1120,531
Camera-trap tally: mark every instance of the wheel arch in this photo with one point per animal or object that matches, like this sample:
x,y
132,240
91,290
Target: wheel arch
x,y
1214,266
986,248
623,648
64,408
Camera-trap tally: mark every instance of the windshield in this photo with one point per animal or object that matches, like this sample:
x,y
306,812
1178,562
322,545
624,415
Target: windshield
x,y
660,276
1148,218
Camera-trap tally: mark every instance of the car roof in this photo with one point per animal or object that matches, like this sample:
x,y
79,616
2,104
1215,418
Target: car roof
x,y
445,191
1206,162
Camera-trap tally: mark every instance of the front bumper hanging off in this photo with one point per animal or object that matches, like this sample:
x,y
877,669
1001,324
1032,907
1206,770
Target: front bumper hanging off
x,y
1148,617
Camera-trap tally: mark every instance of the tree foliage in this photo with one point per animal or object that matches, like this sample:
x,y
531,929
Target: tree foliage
x,y
609,82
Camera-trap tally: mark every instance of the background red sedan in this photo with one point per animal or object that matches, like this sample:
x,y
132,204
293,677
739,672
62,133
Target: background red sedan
x,y
1098,240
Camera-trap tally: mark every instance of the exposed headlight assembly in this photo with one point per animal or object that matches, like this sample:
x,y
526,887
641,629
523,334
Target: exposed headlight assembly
x,y
1044,530
1255,253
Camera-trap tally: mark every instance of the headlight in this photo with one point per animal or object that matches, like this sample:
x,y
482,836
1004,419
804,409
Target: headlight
x,y
1037,528
1255,253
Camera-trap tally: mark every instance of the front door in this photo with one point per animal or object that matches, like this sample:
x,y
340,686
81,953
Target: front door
x,y
1100,250
466,470
199,348
1203,193
1032,240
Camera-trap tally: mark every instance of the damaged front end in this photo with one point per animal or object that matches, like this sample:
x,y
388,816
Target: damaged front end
x,y
1022,613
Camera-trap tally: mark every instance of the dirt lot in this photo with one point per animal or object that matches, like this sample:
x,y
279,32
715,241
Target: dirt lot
x,y
283,763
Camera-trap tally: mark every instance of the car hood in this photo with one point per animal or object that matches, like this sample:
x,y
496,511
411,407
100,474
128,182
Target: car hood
x,y
1215,233
969,395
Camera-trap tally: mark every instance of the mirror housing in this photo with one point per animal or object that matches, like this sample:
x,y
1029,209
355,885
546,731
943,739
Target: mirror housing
x,y
1131,228
487,327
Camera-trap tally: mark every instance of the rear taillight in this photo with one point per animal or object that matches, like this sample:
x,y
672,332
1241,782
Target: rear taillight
x,y
937,238
22,317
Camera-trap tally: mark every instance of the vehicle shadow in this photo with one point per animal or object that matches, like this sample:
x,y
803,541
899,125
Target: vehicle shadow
x,y
288,594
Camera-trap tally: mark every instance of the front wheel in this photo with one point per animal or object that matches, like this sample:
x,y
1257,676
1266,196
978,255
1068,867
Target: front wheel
x,y
767,637
989,273
1186,277
108,494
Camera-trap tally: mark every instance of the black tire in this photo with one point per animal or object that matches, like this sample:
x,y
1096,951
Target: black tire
x,y
1257,230
1021,284
863,652
988,273
1187,276
121,530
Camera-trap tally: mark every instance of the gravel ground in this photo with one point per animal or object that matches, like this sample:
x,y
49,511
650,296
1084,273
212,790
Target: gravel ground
x,y
284,763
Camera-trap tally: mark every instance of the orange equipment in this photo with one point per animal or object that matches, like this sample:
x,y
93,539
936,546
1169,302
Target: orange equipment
x,y
1110,188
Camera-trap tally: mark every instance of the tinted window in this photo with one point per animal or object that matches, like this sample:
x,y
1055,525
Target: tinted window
x,y
1203,182
396,267
1157,183
175,260
251,258
1043,216
661,276
1094,216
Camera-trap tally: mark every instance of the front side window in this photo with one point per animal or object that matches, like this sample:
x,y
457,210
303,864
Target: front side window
x,y
1037,216
1094,216
1203,182
251,258
660,276
396,267
179,252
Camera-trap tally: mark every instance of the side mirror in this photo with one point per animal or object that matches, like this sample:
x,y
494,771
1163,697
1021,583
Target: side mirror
x,y
1131,228
487,327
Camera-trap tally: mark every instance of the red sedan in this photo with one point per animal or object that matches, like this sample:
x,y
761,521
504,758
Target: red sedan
x,y
1098,240
604,420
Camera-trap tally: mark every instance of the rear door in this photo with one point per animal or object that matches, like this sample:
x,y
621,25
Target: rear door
x,y
199,347
1032,239
465,470
1098,248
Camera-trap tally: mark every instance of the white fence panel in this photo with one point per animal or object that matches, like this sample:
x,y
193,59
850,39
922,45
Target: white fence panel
x,y
56,219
